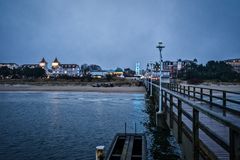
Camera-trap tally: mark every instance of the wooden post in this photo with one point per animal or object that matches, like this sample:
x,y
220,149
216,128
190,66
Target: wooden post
x,y
160,120
171,111
194,94
234,144
184,90
161,98
100,153
224,102
210,97
201,94
195,128
179,121
165,102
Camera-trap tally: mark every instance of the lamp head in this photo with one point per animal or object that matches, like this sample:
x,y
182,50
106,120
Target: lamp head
x,y
160,46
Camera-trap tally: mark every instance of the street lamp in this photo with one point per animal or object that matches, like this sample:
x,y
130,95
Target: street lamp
x,y
160,47
151,64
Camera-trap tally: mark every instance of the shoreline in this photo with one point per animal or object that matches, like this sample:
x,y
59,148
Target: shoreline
x,y
73,88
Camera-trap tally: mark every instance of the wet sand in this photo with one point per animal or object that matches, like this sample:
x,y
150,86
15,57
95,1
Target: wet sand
x,y
77,88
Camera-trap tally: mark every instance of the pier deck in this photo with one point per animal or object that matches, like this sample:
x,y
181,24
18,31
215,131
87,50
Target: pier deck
x,y
209,121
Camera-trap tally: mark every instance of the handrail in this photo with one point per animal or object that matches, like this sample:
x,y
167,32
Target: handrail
x,y
225,121
234,128
220,90
198,93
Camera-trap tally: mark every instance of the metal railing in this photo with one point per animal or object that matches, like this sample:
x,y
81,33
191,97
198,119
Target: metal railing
x,y
172,100
209,96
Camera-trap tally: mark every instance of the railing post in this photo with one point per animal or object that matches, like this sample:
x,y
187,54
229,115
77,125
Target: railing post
x,y
162,98
165,102
195,125
179,121
151,88
194,94
224,102
171,111
180,87
147,84
201,94
188,91
184,90
234,143
210,97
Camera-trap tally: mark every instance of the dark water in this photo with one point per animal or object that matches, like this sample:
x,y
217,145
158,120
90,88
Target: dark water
x,y
69,125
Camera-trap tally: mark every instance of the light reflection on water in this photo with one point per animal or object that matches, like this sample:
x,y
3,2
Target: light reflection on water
x,y
67,125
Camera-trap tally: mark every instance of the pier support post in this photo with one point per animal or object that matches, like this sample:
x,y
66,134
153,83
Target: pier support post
x,y
160,120
100,153
234,145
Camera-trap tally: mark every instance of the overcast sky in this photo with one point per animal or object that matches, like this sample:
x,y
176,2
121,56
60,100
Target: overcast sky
x,y
118,33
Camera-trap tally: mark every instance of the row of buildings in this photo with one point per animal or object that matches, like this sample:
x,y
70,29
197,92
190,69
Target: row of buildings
x,y
172,68
235,63
58,69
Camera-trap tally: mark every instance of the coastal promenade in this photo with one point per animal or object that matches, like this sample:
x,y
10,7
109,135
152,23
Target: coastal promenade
x,y
205,121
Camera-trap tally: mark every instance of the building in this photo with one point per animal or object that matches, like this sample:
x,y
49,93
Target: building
x,y
171,68
43,64
96,71
59,69
235,63
183,63
9,65
30,66
72,70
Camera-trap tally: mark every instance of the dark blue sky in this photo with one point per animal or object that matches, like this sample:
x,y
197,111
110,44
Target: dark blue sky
x,y
115,33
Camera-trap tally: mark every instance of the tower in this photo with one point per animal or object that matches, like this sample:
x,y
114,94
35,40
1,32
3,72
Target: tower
x,y
137,69
55,63
43,64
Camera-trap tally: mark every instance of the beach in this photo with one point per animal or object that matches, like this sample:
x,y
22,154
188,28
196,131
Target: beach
x,y
77,88
226,87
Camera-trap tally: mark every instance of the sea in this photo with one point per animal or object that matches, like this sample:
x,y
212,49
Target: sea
x,y
69,125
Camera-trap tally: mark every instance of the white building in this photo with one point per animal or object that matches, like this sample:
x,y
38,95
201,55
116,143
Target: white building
x,y
30,65
9,65
58,69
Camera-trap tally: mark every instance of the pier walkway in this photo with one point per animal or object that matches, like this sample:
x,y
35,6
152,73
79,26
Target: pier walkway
x,y
205,121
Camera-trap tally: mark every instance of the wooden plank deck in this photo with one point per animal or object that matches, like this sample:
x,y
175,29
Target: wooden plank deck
x,y
219,129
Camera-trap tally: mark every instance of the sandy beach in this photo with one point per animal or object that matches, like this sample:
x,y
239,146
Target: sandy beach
x,y
77,88
226,87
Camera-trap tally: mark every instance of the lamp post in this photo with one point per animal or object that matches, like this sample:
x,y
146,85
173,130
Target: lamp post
x,y
160,47
151,78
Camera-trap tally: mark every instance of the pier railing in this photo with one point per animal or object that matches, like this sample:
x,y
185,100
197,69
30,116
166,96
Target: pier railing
x,y
174,107
214,97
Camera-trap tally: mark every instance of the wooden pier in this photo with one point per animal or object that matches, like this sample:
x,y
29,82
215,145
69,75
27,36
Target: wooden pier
x,y
128,146
205,121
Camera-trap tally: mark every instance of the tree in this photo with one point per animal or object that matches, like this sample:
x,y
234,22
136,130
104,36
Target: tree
x,y
128,72
39,72
109,77
214,70
5,71
34,72
119,70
